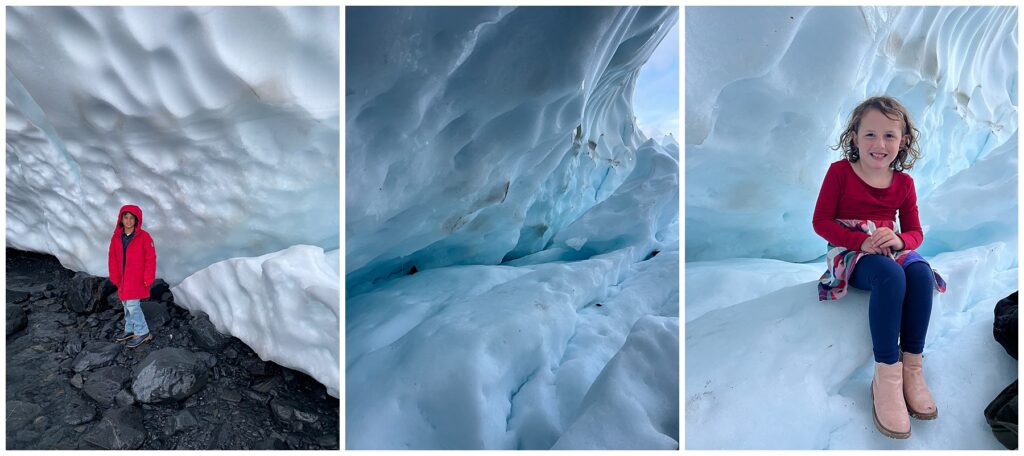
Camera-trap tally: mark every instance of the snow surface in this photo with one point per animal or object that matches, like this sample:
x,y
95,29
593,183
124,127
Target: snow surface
x,y
767,365
284,305
542,226
222,124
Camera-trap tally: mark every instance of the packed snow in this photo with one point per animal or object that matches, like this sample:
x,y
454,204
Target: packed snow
x,y
222,124
768,90
512,242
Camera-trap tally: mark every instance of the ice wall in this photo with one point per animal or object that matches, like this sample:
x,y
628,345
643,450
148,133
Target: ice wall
x,y
476,135
220,122
769,89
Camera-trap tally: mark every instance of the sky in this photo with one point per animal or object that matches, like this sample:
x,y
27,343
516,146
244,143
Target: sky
x,y
656,100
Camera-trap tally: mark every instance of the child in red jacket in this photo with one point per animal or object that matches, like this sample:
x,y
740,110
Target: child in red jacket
x,y
131,262
856,214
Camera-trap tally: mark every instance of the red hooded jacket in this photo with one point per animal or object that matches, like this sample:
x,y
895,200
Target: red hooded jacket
x,y
139,271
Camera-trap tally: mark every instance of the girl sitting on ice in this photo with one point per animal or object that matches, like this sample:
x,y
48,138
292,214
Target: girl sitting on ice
x,y
856,213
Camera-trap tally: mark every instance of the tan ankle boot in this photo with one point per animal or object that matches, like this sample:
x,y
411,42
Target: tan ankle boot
x,y
888,406
919,400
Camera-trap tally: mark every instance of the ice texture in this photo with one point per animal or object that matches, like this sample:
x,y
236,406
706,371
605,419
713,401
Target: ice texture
x,y
768,366
768,90
283,305
222,124
507,226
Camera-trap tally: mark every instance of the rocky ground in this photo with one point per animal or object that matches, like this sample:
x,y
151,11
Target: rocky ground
x,y
70,386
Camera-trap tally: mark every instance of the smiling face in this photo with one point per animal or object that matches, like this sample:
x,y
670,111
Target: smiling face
x,y
878,140
128,220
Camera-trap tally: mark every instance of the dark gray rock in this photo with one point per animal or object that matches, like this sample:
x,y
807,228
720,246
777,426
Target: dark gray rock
x,y
328,441
206,335
287,412
77,381
104,384
124,398
181,421
119,429
268,385
259,368
78,412
95,354
156,313
157,290
16,318
274,442
168,375
231,395
14,296
88,293
20,414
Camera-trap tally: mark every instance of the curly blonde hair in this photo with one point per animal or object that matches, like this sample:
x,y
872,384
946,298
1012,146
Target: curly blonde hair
x,y
893,109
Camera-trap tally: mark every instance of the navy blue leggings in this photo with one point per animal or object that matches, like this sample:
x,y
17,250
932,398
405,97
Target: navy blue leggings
x,y
900,304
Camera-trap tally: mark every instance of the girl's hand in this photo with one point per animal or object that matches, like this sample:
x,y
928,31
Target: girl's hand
x,y
867,246
886,239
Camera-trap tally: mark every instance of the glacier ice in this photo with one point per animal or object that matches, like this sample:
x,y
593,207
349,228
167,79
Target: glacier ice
x,y
222,124
768,90
507,225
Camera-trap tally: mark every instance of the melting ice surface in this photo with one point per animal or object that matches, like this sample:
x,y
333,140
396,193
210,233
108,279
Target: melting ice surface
x,y
768,89
222,124
511,237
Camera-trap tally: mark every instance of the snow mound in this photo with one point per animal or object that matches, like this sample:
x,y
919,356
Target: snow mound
x,y
284,305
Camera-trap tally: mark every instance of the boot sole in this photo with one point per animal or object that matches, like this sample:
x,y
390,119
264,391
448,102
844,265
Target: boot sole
x,y
878,424
923,416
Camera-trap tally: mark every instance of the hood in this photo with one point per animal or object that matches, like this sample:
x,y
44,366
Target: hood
x,y
135,210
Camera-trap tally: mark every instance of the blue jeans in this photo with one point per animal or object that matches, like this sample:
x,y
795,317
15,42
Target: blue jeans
x,y
134,319
900,304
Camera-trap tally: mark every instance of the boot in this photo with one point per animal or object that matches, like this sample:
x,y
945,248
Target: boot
x,y
888,406
919,400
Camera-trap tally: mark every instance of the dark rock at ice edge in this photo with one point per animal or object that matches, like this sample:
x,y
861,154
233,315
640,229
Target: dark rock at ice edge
x,y
206,335
156,313
16,318
78,412
88,293
287,411
119,429
104,384
21,413
168,375
95,354
157,290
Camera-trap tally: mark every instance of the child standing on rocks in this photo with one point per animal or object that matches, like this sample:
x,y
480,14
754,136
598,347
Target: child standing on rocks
x,y
856,213
131,262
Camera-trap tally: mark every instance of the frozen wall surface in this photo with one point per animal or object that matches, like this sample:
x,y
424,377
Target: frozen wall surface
x,y
768,90
475,135
511,236
221,123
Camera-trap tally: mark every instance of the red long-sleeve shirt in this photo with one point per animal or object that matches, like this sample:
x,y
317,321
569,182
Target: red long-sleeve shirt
x,y
844,195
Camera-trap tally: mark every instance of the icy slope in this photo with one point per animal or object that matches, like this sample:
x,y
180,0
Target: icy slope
x,y
769,89
221,123
794,373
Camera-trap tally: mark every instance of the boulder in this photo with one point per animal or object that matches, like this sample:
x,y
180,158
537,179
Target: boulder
x,y
119,429
20,414
78,411
205,334
168,375
105,383
95,354
156,314
88,293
